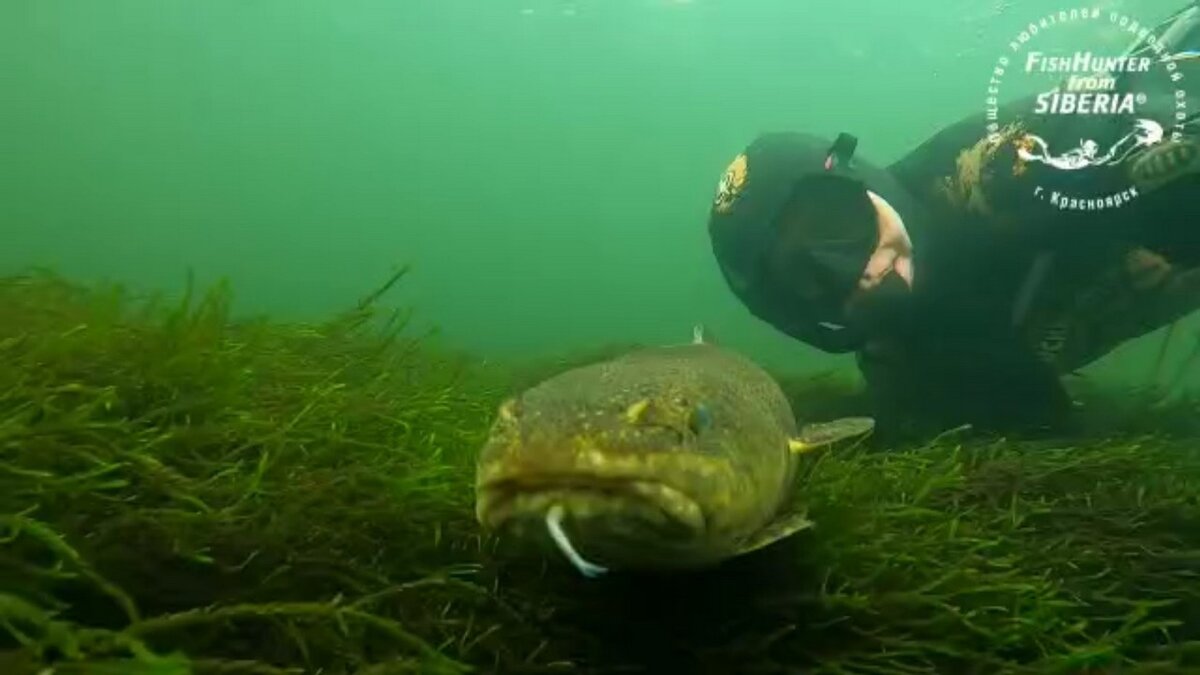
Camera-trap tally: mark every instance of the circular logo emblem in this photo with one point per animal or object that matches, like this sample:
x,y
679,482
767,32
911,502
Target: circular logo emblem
x,y
732,182
1108,95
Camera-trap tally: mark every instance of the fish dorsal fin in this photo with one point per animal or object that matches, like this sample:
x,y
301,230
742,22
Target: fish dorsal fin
x,y
781,527
813,436
701,335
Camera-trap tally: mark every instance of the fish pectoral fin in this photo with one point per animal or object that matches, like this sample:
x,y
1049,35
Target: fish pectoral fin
x,y
813,436
783,526
798,446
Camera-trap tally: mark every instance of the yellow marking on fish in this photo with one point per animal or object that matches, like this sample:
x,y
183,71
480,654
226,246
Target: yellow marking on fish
x,y
508,411
634,413
598,459
799,447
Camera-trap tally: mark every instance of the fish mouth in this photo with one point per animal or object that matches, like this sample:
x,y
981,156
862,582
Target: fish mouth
x,y
651,502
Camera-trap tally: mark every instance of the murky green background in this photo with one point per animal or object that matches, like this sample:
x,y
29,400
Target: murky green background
x,y
545,165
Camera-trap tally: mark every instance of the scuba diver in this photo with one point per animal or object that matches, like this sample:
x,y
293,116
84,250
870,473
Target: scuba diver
x,y
959,276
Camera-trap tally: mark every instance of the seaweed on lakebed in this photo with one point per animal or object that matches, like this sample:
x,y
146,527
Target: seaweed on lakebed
x,y
183,492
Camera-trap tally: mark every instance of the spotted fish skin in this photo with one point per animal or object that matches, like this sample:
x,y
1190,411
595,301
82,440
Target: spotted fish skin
x,y
663,458
1166,162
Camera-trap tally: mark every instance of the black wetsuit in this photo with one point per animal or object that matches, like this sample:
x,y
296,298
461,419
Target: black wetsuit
x,y
1009,293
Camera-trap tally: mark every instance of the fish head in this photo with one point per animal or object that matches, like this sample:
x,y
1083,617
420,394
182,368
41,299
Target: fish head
x,y
632,462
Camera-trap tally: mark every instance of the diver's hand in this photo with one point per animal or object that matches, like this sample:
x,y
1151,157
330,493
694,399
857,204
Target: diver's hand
x,y
883,262
894,252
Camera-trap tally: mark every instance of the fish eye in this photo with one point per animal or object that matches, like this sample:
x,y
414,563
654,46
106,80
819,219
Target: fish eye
x,y
700,419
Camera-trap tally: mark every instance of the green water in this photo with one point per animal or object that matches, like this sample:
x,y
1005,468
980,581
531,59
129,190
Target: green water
x,y
546,166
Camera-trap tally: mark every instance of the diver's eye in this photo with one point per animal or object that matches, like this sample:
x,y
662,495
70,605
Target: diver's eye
x,y
700,419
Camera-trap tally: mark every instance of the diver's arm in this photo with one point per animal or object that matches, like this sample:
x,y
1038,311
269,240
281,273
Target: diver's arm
x,y
942,380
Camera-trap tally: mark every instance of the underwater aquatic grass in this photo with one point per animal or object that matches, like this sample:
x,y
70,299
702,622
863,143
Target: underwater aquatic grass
x,y
186,492
994,557
1013,556
271,473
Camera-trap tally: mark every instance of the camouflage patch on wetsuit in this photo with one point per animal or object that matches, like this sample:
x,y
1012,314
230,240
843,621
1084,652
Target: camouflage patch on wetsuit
x,y
732,182
966,189
1163,163
1079,320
